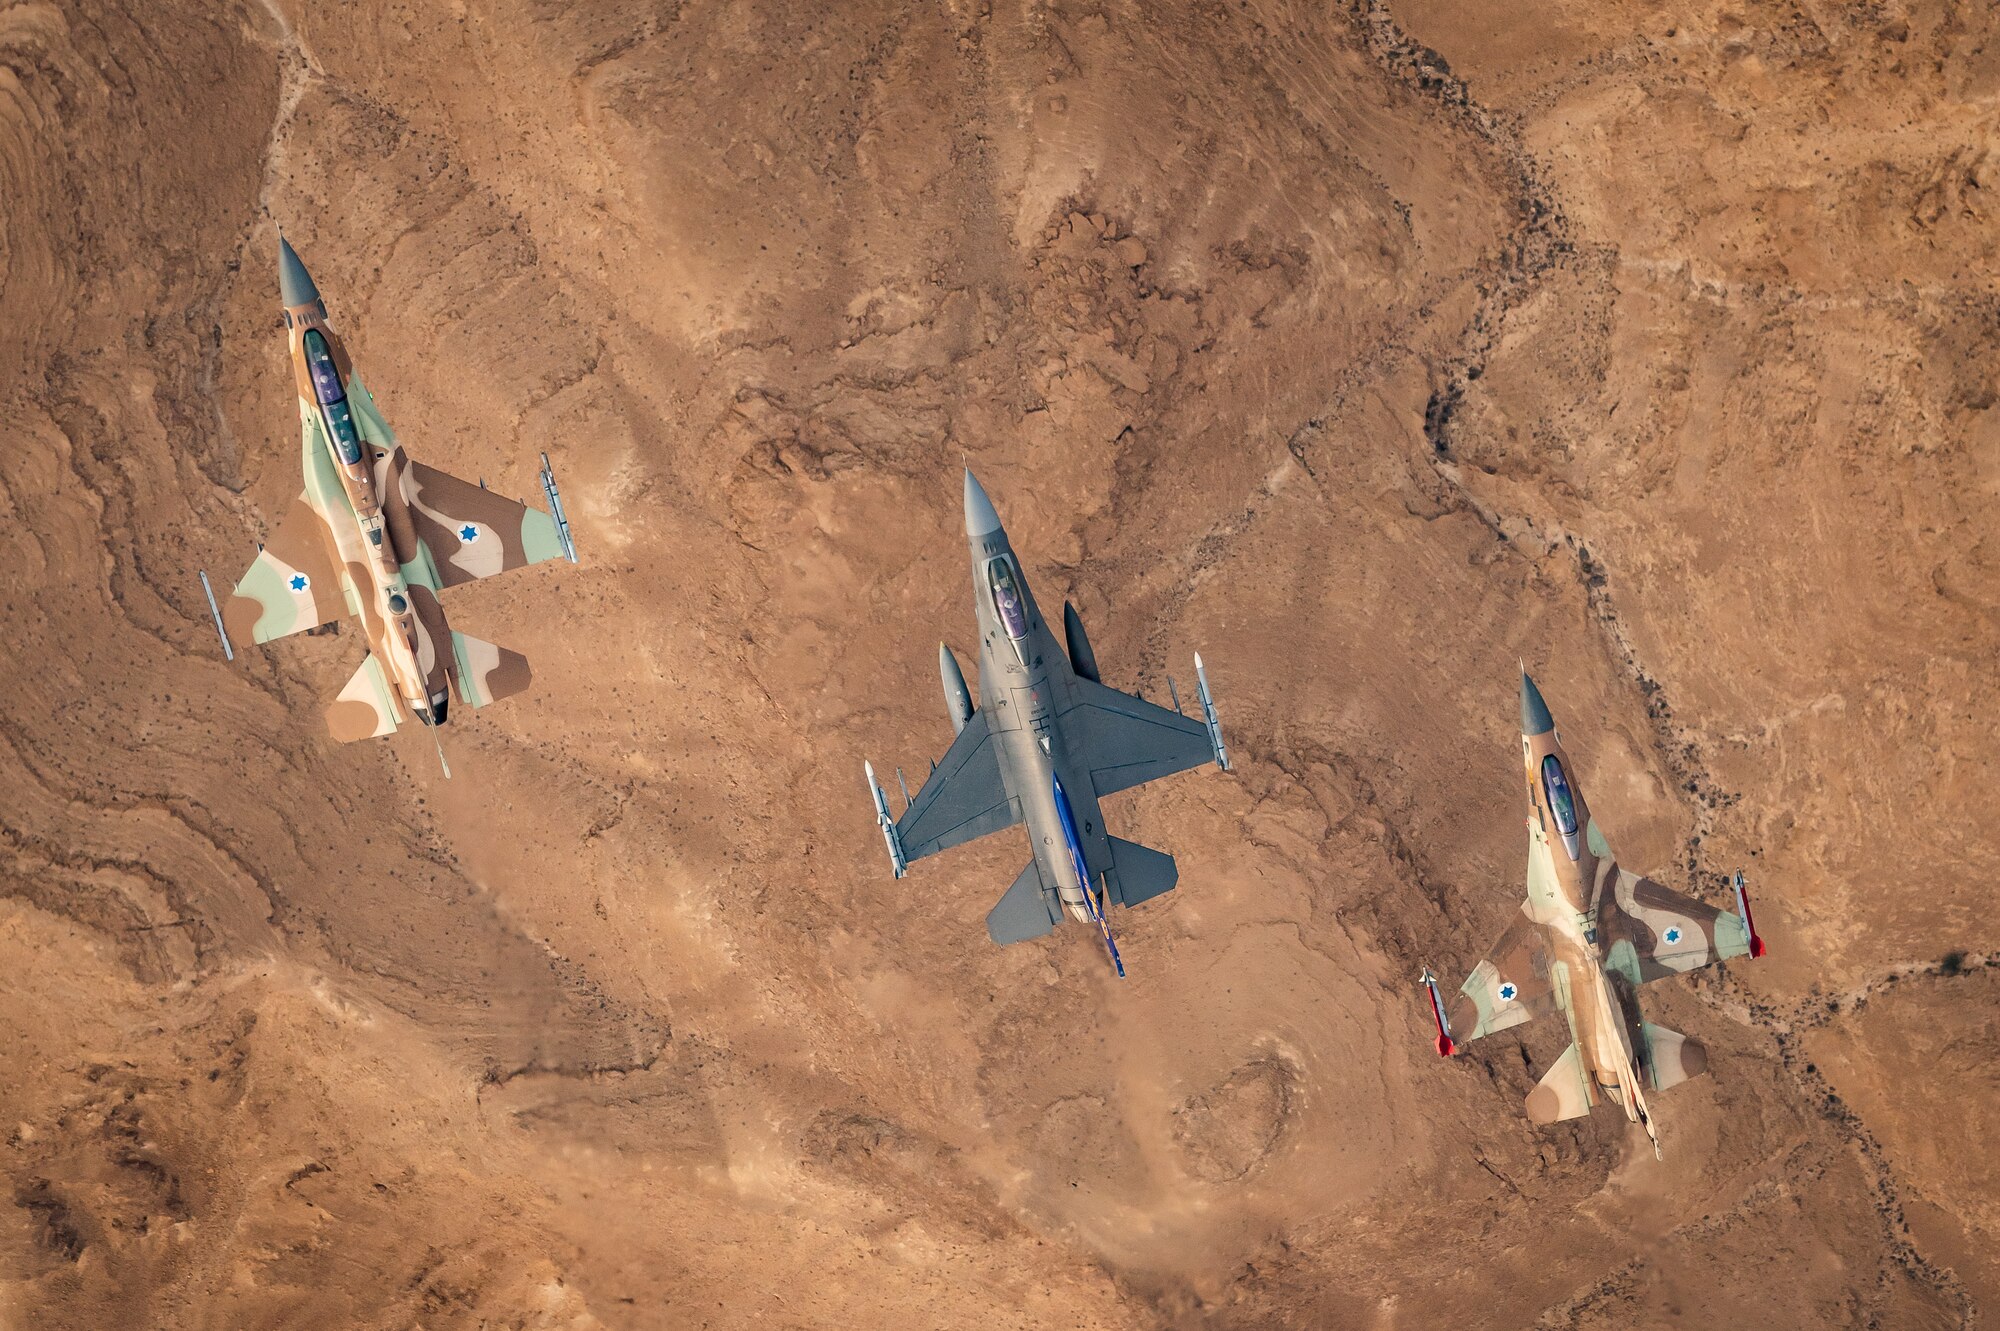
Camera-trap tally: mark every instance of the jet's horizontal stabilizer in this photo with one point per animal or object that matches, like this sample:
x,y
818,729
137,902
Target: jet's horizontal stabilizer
x,y
1564,1092
485,673
1138,873
1672,1058
1027,911
366,707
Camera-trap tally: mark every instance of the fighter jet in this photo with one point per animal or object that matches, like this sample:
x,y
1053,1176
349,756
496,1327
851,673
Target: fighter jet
x,y
1047,742
378,536
1589,934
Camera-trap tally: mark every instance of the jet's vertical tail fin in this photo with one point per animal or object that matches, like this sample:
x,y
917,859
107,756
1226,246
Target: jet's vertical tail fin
x,y
1672,1058
1028,910
1138,873
1563,1092
366,706
485,673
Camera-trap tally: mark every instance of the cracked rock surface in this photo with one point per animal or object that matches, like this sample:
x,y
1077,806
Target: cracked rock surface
x,y
1368,348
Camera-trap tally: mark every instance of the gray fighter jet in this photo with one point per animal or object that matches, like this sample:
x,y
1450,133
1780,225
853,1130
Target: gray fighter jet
x,y
1047,742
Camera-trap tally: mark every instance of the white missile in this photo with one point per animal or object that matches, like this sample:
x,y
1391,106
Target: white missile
x,y
1208,715
885,822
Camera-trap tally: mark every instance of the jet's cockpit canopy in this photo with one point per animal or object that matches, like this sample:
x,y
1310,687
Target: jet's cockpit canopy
x,y
319,363
1555,786
1008,602
332,397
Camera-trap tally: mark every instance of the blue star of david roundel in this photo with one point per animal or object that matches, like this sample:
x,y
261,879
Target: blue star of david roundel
x,y
1673,934
468,533
299,582
1507,992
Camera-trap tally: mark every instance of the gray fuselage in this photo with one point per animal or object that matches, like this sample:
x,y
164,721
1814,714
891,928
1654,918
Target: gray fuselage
x,y
1022,679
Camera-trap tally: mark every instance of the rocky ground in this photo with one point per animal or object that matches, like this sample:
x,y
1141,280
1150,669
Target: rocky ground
x,y
1367,348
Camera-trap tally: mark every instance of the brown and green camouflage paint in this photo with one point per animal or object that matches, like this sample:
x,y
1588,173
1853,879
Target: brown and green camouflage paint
x,y
320,565
1588,936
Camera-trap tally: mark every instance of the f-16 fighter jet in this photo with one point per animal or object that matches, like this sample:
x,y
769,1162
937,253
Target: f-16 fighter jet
x,y
1047,741
1589,934
379,536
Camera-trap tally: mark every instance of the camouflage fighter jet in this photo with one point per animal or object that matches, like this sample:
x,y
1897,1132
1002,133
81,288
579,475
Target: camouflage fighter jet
x,y
1589,934
1047,742
378,536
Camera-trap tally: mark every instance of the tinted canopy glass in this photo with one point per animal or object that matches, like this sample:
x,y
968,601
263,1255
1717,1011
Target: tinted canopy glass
x,y
1557,789
1008,602
319,364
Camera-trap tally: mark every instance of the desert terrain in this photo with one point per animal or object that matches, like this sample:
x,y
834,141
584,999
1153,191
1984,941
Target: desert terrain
x,y
1369,349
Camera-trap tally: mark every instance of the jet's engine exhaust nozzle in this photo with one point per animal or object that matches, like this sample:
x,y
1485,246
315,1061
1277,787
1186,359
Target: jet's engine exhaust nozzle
x,y
957,698
1081,658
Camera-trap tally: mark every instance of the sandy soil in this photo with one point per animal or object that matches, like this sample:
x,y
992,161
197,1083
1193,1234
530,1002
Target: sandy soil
x,y
1367,349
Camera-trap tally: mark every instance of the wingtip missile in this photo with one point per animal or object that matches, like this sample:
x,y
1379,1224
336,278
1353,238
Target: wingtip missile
x,y
885,822
1209,718
1757,948
548,480
1446,1047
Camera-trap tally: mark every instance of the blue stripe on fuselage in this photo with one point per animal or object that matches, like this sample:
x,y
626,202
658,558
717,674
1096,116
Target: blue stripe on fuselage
x,y
1068,821
1082,871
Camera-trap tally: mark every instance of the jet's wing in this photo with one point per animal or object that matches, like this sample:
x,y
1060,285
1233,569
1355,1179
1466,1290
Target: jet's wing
x,y
291,585
964,798
1127,741
1509,987
472,532
1653,931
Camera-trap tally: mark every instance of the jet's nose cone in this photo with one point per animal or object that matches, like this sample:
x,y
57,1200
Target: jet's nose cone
x,y
980,519
1535,718
295,284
